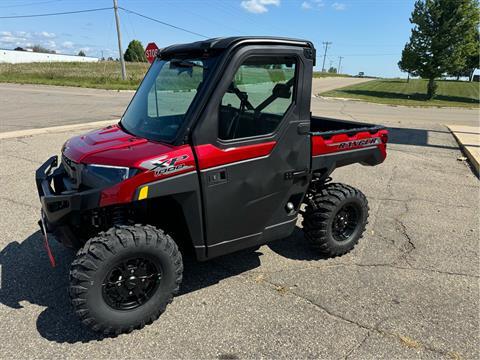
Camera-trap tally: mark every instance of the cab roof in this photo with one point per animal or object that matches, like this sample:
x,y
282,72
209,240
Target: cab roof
x,y
227,42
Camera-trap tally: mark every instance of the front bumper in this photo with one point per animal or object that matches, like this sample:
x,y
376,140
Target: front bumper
x,y
61,206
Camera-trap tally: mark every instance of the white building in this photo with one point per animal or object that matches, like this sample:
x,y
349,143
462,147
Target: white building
x,y
15,57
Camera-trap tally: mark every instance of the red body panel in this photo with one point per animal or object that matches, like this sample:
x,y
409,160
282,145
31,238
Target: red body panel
x,y
113,146
344,142
124,191
210,156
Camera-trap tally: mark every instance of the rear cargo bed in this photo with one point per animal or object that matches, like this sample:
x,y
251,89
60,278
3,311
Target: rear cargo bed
x,y
337,143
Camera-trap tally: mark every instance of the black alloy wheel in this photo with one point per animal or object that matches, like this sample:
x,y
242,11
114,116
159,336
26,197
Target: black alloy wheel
x,y
131,283
345,222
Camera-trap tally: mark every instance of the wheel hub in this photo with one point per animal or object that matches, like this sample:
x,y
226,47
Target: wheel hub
x,y
131,283
345,222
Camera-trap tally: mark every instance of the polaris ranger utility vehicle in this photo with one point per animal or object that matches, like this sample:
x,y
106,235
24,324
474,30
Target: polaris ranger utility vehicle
x,y
216,152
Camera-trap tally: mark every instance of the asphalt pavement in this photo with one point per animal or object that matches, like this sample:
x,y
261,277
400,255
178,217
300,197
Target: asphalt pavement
x,y
410,289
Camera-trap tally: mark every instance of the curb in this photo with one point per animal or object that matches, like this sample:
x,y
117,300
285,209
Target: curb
x,y
468,138
55,129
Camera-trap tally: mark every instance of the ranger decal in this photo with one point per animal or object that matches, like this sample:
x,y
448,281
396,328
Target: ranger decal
x,y
357,143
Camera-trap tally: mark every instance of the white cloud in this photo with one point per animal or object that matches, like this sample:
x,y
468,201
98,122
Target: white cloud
x,y
46,35
312,4
258,6
67,44
339,6
306,5
11,39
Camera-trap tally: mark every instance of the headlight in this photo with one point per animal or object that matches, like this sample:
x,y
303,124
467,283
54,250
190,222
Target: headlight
x,y
102,175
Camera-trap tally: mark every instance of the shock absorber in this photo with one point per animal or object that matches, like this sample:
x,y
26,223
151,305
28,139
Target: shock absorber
x,y
118,215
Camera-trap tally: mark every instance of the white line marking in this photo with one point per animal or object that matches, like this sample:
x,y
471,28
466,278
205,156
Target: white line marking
x,y
54,129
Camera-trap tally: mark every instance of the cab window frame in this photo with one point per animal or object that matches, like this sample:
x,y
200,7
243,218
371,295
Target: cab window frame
x,y
281,124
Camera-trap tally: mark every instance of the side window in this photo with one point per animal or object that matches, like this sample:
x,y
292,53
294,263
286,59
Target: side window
x,y
258,97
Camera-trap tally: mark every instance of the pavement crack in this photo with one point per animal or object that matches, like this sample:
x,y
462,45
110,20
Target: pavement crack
x,y
370,329
423,200
24,159
442,272
16,202
355,348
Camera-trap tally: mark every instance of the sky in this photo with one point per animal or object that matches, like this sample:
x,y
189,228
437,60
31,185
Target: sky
x,y
368,34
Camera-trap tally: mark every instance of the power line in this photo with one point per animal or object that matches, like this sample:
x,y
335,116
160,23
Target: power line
x,y
29,4
389,54
54,14
161,22
326,44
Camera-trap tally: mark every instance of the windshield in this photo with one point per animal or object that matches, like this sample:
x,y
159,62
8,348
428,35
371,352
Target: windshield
x,y
158,108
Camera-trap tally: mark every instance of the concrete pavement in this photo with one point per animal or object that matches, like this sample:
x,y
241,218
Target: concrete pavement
x,y
468,138
320,85
38,106
35,106
410,289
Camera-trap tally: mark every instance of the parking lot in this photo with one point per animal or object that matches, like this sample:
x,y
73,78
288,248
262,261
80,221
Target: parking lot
x,y
410,289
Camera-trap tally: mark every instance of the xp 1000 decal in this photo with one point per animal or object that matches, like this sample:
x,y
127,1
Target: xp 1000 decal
x,y
166,165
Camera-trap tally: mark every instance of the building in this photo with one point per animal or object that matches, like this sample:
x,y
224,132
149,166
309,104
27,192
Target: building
x,y
15,57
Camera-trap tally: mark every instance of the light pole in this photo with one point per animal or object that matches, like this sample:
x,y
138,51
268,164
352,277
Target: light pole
x,y
120,51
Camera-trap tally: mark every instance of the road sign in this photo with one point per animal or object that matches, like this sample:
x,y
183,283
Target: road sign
x,y
151,52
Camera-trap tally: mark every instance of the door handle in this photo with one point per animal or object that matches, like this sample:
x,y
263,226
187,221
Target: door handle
x,y
217,177
297,174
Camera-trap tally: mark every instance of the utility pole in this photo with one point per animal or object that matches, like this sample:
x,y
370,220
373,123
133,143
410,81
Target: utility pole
x,y
339,64
326,44
117,20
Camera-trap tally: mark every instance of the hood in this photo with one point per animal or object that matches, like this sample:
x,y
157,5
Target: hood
x,y
113,146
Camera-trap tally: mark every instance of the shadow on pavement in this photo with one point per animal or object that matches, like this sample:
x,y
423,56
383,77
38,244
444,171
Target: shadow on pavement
x,y
415,137
27,276
411,96
295,247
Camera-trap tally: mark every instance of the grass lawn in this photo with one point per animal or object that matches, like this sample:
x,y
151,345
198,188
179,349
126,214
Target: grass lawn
x,y
413,93
101,75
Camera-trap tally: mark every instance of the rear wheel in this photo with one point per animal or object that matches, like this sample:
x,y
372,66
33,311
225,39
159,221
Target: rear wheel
x,y
335,218
124,278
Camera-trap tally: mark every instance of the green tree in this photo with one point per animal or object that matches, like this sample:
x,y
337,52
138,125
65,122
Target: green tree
x,y
409,60
81,53
135,52
41,49
442,39
332,70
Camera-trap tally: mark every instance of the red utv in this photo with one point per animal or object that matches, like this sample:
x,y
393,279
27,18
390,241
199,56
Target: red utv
x,y
216,152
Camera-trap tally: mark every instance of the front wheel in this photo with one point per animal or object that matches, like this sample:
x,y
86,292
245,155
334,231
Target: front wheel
x,y
124,278
335,218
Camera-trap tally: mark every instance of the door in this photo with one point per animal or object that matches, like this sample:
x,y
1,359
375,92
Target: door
x,y
253,151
